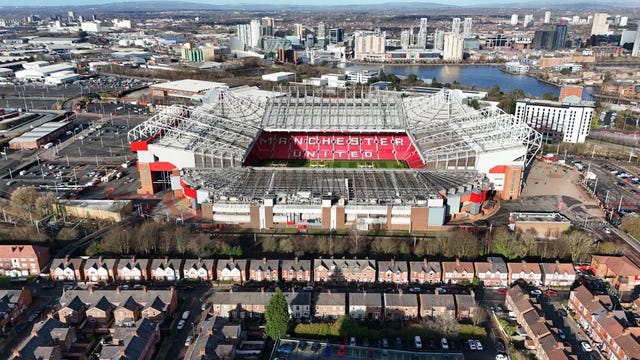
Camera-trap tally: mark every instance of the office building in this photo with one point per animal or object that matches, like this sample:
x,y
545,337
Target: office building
x,y
557,122
600,25
560,37
369,45
405,39
514,20
453,47
455,26
543,39
336,36
528,20
438,40
547,17
466,29
421,42
636,43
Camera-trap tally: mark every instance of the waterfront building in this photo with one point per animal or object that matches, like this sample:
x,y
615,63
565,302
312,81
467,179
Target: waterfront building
x,y
455,26
369,45
528,19
336,35
600,25
267,24
421,42
254,33
466,29
623,21
438,40
514,19
556,121
298,31
516,67
321,31
243,33
543,39
405,39
560,37
453,47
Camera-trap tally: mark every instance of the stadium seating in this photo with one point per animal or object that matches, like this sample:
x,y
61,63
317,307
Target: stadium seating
x,y
333,146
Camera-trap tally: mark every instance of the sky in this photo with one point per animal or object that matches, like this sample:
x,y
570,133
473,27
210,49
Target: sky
x,y
222,2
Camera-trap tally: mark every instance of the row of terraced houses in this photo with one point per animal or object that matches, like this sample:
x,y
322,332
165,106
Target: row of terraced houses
x,y
494,272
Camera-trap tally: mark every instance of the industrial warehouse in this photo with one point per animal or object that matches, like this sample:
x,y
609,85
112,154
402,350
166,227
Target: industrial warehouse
x,y
340,160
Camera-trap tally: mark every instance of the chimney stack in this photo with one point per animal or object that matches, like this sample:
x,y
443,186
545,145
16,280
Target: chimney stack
x,y
296,260
424,262
118,289
91,289
166,259
134,332
209,331
264,260
144,288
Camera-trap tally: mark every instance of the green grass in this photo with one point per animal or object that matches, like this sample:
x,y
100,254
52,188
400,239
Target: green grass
x,y
336,164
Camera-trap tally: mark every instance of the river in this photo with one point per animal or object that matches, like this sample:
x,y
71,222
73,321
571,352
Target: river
x,y
480,76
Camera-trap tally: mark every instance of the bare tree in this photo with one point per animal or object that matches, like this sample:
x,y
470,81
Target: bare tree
x,y
447,326
579,245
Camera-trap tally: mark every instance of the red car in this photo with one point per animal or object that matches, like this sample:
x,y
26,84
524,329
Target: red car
x,y
341,351
502,291
551,292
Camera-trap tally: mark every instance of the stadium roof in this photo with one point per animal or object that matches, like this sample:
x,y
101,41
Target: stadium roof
x,y
309,185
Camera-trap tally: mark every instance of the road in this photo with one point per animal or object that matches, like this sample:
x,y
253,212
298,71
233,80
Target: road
x,y
176,349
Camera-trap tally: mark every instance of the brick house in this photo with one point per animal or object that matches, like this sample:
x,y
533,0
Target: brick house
x,y
70,269
558,274
100,269
203,269
528,272
457,271
165,269
588,306
299,304
264,270
127,311
619,271
493,272
42,343
22,260
466,305
12,304
296,270
401,306
136,342
517,302
72,312
393,272
437,305
425,272
240,305
100,312
133,269
330,305
365,305
349,270
232,270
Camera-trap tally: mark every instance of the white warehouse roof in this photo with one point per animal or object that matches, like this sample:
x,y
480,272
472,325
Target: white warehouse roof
x,y
189,85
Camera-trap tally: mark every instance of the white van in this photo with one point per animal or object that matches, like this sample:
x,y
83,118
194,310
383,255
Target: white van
x,y
48,145
185,315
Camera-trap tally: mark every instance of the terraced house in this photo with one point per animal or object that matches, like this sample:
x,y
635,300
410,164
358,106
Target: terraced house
x,y
296,270
100,269
232,270
425,272
165,269
203,269
393,272
69,269
264,270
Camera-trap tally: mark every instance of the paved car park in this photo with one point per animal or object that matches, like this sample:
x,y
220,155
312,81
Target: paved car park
x,y
331,351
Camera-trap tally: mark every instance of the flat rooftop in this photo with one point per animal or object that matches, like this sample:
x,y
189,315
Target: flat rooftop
x,y
102,205
538,217
40,132
188,85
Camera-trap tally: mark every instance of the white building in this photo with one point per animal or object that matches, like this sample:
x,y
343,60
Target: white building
x,y
571,122
278,76
298,31
255,33
636,43
466,28
623,21
438,40
369,45
62,77
421,42
516,67
600,25
514,20
528,19
453,47
91,26
571,66
547,17
361,76
42,72
455,26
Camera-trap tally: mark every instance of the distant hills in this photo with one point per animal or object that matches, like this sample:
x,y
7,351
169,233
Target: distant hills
x,y
207,5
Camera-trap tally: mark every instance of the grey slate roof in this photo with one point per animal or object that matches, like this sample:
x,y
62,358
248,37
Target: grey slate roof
x,y
400,300
430,301
264,264
117,299
133,345
28,346
365,299
329,299
393,266
300,265
426,266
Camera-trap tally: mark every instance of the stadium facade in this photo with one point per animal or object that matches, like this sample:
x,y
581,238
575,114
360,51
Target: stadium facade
x,y
401,161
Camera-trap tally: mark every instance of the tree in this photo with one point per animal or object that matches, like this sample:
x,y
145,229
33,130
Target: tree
x,y
579,245
277,316
607,77
447,326
565,71
24,198
506,244
549,96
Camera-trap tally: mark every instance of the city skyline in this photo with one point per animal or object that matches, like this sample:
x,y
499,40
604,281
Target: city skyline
x,y
452,3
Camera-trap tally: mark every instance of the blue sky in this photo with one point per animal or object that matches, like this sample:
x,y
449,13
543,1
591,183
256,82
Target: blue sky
x,y
298,2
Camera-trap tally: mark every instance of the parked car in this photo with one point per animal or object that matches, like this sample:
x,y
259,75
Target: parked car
x,y
444,343
180,325
562,312
535,292
399,343
478,345
606,230
561,334
353,341
186,314
551,292
341,351
188,341
418,342
585,346
302,345
501,357
502,291
415,290
500,346
385,342
285,349
327,350
203,307
315,347
472,344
